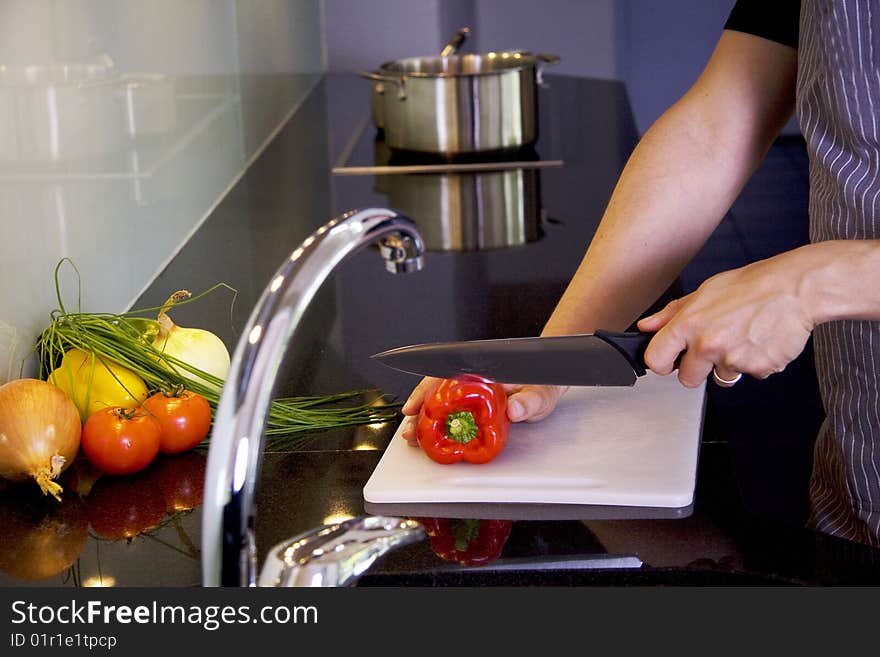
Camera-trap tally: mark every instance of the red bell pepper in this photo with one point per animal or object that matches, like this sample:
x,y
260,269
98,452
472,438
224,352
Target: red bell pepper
x,y
465,419
466,541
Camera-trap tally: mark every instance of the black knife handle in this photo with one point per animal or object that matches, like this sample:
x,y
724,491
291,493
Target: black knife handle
x,y
631,344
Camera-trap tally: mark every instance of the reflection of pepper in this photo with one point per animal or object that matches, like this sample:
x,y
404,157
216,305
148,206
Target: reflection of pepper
x,y
467,541
464,420
93,383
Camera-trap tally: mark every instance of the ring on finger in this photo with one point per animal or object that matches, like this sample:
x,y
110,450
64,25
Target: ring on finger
x,y
720,380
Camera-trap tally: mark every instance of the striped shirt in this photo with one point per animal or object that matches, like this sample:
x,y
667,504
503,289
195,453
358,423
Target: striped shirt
x,y
838,109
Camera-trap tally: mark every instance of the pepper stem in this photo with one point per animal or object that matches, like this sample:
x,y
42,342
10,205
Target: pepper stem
x,y
461,427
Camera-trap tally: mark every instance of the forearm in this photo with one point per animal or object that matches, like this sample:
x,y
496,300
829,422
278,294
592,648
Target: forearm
x,y
670,197
679,182
840,280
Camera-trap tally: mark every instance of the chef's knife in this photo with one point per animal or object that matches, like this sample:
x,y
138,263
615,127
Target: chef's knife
x,y
603,358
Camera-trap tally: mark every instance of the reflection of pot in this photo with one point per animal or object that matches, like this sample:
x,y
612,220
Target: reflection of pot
x,y
461,104
57,112
469,211
149,104
377,90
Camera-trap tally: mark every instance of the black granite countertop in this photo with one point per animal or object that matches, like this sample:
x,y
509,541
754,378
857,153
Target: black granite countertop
x,y
751,498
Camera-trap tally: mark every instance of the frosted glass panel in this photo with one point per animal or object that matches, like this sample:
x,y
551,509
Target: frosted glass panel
x,y
121,126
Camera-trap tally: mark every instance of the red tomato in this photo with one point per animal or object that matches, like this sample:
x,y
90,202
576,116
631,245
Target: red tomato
x,y
185,418
121,441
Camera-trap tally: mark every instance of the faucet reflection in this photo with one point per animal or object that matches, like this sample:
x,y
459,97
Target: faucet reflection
x,y
336,555
229,556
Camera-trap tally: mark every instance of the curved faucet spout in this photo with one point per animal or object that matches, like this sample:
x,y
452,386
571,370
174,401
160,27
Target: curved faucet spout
x,y
236,448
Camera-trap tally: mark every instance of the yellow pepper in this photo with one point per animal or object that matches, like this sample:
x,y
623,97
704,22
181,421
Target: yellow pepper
x,y
93,383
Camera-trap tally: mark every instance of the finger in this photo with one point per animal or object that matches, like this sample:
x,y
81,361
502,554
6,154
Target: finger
x,y
408,432
693,370
425,387
658,320
533,403
664,349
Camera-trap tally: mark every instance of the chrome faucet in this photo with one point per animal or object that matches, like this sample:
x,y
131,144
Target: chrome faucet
x,y
229,555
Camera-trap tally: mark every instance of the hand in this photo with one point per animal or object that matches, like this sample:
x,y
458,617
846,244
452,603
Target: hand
x,y
751,320
524,403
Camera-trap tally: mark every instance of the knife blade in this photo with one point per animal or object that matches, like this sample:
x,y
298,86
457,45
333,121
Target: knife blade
x,y
603,358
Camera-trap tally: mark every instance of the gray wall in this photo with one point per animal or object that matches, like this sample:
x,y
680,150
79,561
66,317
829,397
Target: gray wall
x,y
662,48
361,35
364,34
583,33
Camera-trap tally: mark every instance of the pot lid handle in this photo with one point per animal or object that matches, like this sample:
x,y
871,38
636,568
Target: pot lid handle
x,y
455,42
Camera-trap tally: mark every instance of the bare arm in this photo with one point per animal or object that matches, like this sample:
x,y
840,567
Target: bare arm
x,y
674,190
679,182
676,187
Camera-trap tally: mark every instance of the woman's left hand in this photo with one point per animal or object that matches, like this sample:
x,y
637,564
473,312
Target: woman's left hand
x,y
752,320
524,403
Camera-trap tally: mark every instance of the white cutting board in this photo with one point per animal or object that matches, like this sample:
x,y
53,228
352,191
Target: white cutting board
x,y
618,446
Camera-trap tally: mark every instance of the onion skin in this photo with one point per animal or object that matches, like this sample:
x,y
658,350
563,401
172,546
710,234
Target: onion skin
x,y
40,432
195,346
198,347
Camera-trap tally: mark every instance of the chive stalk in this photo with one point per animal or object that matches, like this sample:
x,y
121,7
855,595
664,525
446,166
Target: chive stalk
x,y
127,339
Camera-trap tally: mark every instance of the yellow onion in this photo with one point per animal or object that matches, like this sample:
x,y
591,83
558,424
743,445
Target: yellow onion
x,y
40,433
197,347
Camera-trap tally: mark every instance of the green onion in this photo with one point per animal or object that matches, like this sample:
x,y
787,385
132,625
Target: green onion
x,y
127,339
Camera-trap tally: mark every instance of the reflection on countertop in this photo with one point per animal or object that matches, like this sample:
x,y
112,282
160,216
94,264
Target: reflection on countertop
x,y
143,530
747,523
105,529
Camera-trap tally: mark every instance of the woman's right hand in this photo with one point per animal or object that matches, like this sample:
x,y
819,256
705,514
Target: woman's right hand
x,y
525,403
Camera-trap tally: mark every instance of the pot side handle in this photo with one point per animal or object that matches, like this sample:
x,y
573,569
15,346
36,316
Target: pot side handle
x,y
397,80
544,59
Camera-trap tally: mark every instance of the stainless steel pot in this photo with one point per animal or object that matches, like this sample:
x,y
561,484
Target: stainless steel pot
x,y
470,211
463,104
377,90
